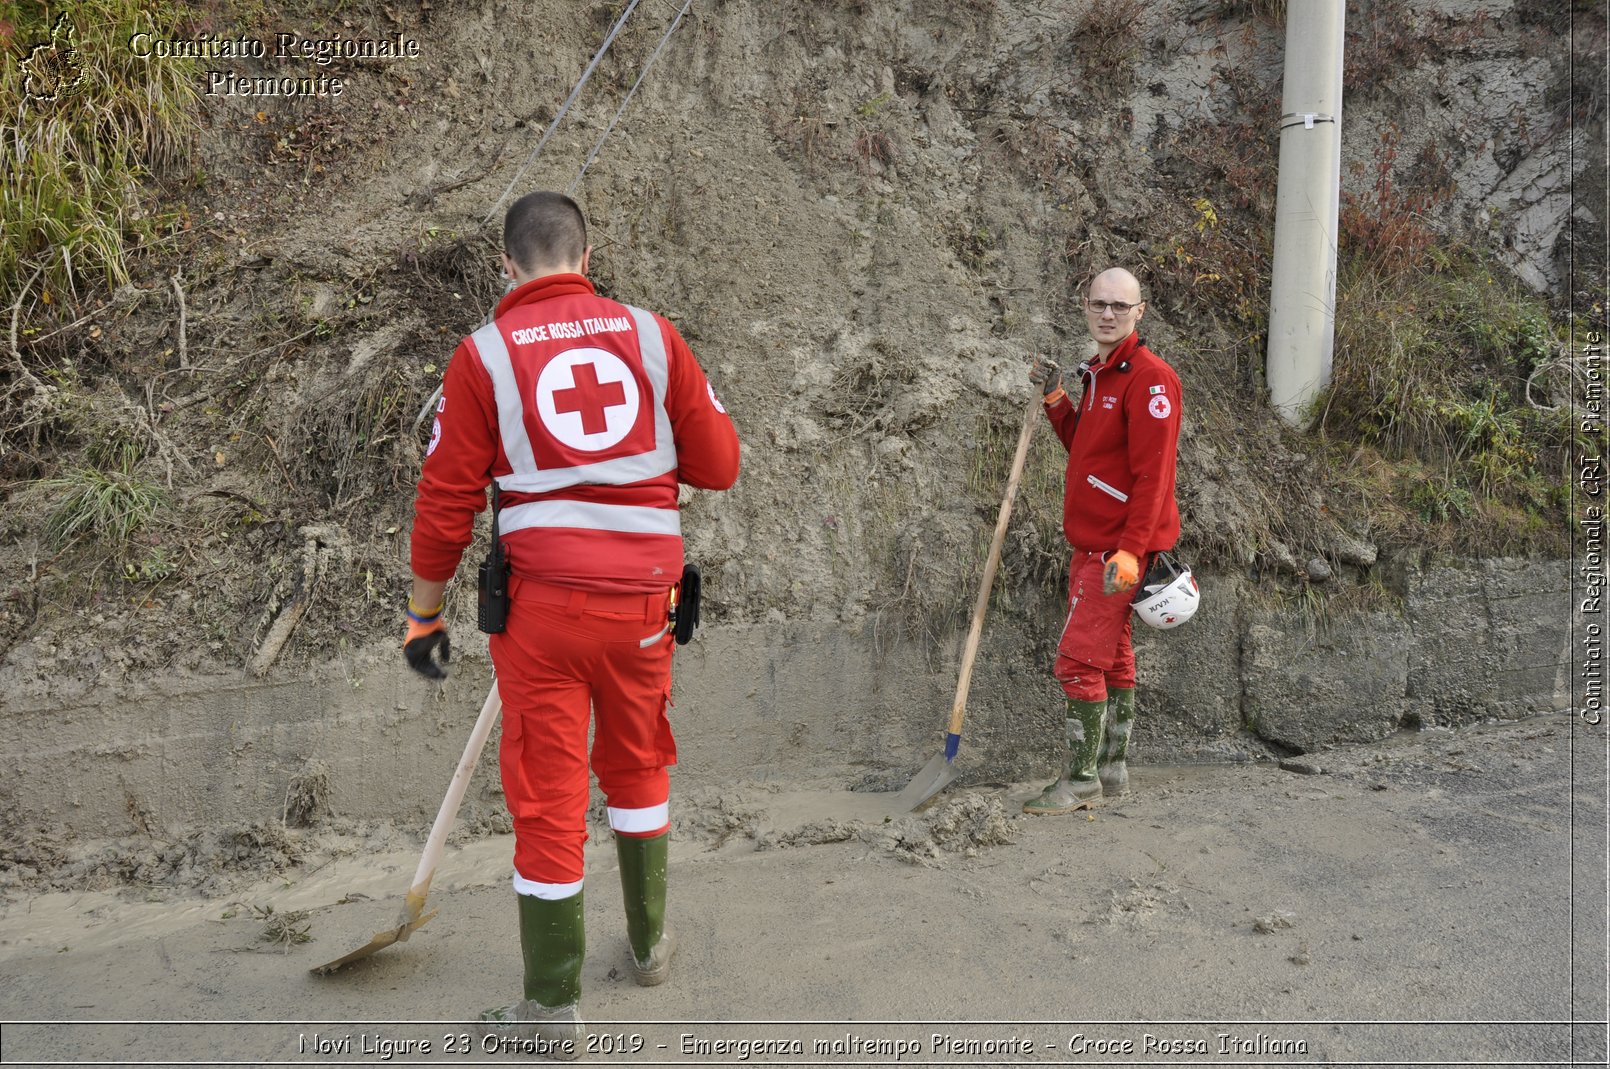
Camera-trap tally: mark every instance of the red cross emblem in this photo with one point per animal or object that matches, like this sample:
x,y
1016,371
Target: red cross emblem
x,y
590,398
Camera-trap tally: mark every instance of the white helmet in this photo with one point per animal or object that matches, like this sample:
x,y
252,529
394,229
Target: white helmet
x,y
1168,596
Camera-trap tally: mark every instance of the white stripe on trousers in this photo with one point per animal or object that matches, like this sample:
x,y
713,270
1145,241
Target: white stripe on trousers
x,y
651,818
550,891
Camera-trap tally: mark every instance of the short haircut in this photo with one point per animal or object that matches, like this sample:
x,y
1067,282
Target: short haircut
x,y
544,231
1139,289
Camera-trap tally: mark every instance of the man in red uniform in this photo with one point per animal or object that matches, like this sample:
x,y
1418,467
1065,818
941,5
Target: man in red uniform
x,y
1119,509
587,413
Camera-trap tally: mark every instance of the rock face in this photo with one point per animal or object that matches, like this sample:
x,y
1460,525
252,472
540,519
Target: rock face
x,y
808,701
1304,684
1490,640
1476,641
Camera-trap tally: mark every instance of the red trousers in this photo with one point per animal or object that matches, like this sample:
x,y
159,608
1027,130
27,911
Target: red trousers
x,y
1094,652
608,655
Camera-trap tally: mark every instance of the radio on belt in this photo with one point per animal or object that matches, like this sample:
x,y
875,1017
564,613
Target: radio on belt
x,y
492,582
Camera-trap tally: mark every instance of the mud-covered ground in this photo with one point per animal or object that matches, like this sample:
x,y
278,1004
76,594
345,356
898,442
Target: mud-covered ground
x,y
1439,896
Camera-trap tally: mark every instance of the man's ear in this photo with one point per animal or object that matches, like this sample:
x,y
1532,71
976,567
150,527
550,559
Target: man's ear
x,y
586,255
508,265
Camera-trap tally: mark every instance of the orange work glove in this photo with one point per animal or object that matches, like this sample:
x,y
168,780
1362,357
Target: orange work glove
x,y
1121,574
425,632
1045,374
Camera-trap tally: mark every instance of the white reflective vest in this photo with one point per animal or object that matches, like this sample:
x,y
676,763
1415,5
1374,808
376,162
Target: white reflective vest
x,y
586,400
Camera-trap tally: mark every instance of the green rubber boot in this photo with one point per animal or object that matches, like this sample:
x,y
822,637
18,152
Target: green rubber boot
x,y
1111,766
1079,786
552,942
643,865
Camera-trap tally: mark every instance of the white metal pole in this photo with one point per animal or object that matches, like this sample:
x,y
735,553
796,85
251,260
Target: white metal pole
x,y
1302,295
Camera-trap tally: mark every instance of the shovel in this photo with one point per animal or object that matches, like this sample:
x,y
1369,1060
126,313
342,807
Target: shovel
x,y
938,772
411,920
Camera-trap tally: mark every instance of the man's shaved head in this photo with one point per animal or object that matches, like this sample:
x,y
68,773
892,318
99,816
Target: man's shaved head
x,y
544,233
1115,284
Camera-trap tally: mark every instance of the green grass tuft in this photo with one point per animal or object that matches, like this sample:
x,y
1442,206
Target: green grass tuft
x,y
106,506
1432,369
83,122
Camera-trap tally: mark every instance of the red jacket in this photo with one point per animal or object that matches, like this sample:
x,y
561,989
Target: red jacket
x,y
588,413
1122,439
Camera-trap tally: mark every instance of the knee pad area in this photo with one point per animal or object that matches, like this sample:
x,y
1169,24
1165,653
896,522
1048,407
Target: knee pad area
x,y
1081,682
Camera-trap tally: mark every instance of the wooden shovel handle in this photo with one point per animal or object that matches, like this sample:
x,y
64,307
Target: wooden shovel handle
x,y
958,708
450,803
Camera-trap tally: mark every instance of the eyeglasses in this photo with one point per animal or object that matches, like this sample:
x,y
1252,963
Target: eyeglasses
x,y
1119,308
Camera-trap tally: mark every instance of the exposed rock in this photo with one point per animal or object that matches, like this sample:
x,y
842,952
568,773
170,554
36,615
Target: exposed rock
x,y
1488,639
1306,686
1353,550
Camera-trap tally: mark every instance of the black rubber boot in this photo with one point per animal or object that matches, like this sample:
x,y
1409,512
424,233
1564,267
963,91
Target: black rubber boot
x,y
1079,785
644,864
1112,767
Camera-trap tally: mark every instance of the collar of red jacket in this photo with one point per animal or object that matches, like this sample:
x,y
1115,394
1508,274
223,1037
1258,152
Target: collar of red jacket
x,y
1125,350
540,289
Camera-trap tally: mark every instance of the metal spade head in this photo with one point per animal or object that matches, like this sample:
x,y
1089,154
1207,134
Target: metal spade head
x,y
934,777
381,941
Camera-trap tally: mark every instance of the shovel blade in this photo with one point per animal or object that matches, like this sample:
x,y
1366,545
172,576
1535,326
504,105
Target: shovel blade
x,y
381,941
934,777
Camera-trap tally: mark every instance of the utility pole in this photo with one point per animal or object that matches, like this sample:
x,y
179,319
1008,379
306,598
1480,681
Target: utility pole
x,y
1302,294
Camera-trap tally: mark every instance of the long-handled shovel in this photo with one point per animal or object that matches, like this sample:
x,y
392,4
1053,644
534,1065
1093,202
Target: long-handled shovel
x,y
939,771
410,920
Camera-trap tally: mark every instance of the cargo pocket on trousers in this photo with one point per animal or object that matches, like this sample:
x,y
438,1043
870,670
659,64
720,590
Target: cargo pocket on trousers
x,y
664,741
511,761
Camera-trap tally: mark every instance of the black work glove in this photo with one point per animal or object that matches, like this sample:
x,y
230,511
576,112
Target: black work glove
x,y
1045,374
426,632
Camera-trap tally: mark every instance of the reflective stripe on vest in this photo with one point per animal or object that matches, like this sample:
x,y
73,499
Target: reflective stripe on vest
x,y
526,477
591,515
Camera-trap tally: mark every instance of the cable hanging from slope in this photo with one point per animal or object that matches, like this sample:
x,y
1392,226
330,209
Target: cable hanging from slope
x,y
571,99
593,155
436,394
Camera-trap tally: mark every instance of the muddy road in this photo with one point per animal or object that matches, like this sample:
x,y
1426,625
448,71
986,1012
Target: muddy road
x,y
1440,896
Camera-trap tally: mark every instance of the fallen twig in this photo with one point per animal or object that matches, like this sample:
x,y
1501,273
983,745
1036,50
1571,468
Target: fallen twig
x,y
178,292
275,449
219,387
279,633
301,596
16,316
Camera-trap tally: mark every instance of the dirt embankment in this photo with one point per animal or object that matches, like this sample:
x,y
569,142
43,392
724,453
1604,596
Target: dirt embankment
x,y
864,220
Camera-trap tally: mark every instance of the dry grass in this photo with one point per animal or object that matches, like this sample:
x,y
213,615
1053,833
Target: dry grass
x,y
1108,38
1432,367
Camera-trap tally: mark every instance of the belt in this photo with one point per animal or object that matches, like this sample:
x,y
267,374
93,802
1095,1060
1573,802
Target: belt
x,y
653,606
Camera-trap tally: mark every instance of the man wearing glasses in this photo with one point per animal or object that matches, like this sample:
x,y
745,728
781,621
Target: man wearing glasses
x,y
1121,436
